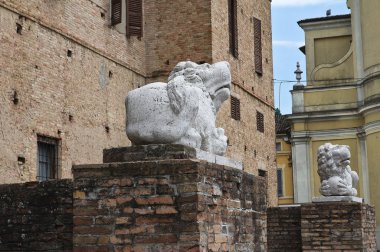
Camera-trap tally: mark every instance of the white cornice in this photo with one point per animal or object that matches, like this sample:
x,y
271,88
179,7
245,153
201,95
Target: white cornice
x,y
326,24
352,132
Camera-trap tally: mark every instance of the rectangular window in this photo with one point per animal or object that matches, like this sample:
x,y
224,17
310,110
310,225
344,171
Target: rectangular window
x,y
47,158
257,46
260,121
280,191
278,146
262,173
232,27
134,18
115,12
235,108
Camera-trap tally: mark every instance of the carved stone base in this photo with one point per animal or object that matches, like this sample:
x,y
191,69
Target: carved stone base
x,y
163,152
323,199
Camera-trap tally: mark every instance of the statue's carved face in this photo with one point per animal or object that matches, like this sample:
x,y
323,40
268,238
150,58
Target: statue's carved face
x,y
341,155
217,80
214,79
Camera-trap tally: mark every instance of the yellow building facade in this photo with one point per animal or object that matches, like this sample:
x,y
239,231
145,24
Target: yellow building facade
x,y
340,103
284,161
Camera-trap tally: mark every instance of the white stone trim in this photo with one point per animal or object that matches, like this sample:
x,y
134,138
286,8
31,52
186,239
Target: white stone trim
x,y
301,170
326,24
341,133
298,101
372,127
364,167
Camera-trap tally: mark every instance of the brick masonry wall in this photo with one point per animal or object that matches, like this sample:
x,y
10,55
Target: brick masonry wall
x,y
36,216
338,227
90,86
333,226
72,98
284,229
168,205
176,31
255,92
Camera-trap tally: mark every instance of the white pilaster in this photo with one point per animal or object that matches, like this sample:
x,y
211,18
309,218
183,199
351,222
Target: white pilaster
x,y
358,50
301,170
297,101
364,165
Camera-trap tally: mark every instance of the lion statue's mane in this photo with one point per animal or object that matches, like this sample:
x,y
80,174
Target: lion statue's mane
x,y
336,176
183,111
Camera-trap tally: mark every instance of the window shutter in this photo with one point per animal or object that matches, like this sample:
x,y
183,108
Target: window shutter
x,y
233,30
115,12
134,18
257,46
235,108
259,121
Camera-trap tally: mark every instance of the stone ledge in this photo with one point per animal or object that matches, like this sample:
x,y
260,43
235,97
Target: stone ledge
x,y
323,199
164,152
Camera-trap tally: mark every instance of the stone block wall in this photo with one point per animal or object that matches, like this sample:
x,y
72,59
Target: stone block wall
x,y
36,216
168,205
332,226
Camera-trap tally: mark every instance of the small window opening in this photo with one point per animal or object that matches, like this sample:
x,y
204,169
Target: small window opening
x,y
69,53
47,158
15,98
18,28
262,173
278,146
110,74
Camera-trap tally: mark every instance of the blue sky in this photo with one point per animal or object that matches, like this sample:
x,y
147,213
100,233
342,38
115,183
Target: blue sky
x,y
288,37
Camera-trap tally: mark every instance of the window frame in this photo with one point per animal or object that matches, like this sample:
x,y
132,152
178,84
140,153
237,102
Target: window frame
x,y
280,186
51,147
233,28
235,108
260,125
257,44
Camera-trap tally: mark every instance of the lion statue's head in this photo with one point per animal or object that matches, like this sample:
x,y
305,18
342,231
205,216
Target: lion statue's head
x,y
332,159
337,178
214,80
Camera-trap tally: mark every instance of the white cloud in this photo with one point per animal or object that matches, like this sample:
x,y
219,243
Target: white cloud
x,y
297,3
288,43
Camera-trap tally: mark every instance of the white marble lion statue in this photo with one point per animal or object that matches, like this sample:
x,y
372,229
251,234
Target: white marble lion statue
x,y
337,178
183,111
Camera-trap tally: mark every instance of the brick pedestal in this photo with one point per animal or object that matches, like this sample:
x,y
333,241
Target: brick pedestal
x,y
329,226
338,226
167,201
